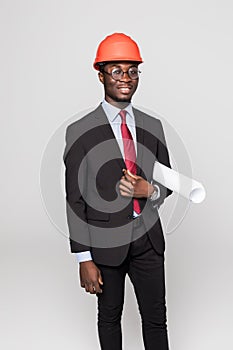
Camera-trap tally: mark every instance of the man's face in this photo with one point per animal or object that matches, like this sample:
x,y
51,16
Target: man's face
x,y
118,90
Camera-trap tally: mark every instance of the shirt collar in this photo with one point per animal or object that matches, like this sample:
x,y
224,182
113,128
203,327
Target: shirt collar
x,y
112,112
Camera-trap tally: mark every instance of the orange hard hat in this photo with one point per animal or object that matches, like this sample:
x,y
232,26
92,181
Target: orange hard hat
x,y
117,47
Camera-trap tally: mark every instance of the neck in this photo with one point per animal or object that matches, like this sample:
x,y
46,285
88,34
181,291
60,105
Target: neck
x,y
118,104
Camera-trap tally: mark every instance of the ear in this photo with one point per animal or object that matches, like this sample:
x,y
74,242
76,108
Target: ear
x,y
101,77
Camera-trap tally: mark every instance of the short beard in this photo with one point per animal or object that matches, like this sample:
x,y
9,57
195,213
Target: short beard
x,y
122,102
122,99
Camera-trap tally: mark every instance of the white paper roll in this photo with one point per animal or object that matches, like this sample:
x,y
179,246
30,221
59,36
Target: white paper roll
x,y
185,186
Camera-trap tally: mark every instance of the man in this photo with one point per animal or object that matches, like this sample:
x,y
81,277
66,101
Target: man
x,y
112,200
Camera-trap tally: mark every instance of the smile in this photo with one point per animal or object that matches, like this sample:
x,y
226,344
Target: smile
x,y
124,89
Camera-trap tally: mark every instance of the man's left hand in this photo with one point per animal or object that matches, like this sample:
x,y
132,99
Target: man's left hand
x,y
134,186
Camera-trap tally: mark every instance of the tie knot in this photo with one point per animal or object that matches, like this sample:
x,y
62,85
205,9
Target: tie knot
x,y
123,116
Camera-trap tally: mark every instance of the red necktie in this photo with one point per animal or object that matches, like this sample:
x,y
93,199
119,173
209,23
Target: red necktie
x,y
130,153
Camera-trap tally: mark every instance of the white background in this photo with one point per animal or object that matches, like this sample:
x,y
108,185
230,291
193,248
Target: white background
x,y
47,51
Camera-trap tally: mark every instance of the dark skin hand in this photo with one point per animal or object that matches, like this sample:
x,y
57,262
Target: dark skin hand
x,y
134,186
90,277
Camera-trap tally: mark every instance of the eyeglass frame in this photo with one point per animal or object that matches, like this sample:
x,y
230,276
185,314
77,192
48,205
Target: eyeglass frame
x,y
122,73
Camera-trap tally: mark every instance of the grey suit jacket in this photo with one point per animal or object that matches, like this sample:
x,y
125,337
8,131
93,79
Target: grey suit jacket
x,y
99,218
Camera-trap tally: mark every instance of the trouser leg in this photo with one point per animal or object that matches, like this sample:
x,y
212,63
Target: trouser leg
x,y
146,272
110,305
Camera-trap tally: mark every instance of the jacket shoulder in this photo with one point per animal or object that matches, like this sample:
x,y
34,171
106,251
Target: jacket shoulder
x,y
84,119
151,123
84,124
76,132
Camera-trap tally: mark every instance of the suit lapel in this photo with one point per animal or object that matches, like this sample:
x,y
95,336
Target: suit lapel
x,y
107,134
140,138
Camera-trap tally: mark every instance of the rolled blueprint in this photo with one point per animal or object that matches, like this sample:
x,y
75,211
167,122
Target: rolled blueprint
x,y
185,186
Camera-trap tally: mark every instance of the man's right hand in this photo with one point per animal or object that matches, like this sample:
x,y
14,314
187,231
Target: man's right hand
x,y
90,277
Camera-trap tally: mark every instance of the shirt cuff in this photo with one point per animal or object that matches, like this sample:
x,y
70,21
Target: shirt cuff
x,y
83,256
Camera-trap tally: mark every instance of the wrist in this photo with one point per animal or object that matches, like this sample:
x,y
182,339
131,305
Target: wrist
x,y
155,193
151,190
87,262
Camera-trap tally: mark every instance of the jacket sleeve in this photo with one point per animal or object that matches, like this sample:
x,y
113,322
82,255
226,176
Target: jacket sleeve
x,y
75,175
162,156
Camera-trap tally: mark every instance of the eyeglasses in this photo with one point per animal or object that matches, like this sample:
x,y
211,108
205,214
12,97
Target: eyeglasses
x,y
118,73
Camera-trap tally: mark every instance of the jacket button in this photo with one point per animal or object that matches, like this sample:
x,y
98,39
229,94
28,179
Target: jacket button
x,y
129,217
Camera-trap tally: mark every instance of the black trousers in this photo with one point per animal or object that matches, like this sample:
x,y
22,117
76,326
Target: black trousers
x,y
145,268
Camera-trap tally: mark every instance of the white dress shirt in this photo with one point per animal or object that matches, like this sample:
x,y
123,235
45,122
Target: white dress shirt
x,y
114,119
